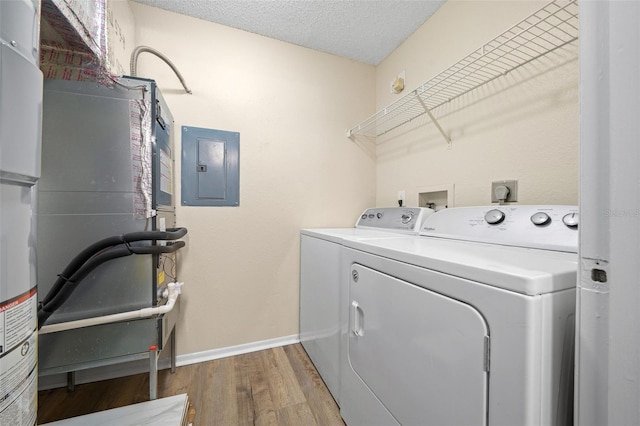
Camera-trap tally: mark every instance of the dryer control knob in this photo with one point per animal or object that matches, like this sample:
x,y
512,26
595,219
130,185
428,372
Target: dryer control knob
x,y
379,215
494,217
363,217
406,217
540,218
571,220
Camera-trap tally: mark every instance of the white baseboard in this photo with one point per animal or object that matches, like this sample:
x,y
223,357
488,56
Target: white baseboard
x,y
142,366
235,350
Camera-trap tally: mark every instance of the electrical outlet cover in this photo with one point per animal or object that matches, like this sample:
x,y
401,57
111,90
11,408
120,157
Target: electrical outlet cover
x,y
513,190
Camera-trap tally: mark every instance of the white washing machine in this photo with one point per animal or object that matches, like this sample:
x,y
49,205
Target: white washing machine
x,y
321,275
470,323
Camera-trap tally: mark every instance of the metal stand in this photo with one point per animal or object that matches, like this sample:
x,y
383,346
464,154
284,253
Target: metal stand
x,y
71,381
125,345
154,354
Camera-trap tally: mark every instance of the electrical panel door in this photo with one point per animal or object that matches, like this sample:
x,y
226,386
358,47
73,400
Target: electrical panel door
x,y
210,167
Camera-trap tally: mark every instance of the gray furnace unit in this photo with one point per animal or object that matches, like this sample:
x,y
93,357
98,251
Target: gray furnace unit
x,y
107,185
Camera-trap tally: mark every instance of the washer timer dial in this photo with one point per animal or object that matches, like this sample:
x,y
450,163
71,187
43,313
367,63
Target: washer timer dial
x,y
494,217
571,220
406,217
540,218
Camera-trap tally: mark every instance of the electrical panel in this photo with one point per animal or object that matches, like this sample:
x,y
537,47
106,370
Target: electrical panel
x,y
210,167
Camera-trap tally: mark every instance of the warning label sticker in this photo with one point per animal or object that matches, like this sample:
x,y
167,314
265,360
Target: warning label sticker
x,y
166,173
18,360
18,319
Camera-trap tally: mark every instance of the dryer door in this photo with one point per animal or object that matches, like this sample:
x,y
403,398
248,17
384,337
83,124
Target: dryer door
x,y
422,354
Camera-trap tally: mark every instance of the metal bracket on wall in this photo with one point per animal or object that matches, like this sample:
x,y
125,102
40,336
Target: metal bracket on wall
x,y
433,119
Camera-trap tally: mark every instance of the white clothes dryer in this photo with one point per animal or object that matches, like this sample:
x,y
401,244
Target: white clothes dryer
x,y
321,276
471,323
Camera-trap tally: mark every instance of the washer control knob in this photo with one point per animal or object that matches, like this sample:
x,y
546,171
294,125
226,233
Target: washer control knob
x,y
571,220
363,217
494,217
406,217
540,218
379,215
371,215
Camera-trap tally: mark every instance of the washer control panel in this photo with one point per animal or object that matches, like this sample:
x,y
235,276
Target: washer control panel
x,y
403,219
544,227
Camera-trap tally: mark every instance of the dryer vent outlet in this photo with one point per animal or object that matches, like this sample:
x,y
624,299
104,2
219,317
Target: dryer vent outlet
x,y
498,191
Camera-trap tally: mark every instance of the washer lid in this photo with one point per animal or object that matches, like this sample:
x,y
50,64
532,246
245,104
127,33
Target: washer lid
x,y
522,270
377,223
338,235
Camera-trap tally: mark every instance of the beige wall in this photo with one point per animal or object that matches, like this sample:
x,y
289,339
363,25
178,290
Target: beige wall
x,y
121,32
291,106
521,126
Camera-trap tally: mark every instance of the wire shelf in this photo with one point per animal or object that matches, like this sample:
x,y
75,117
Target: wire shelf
x,y
553,26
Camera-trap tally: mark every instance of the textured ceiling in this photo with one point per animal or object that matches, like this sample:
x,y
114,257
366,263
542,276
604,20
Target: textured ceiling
x,y
363,30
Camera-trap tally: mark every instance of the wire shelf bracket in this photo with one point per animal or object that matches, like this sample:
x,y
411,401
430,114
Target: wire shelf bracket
x,y
553,26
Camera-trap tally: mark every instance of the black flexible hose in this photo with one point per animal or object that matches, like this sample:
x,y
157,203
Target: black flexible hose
x,y
87,253
169,248
77,262
90,258
47,309
169,234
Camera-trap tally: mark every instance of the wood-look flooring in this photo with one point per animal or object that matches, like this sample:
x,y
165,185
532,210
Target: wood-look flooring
x,y
278,386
